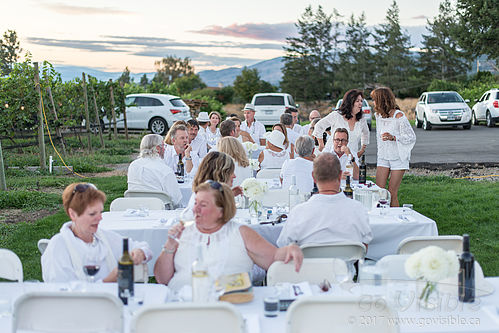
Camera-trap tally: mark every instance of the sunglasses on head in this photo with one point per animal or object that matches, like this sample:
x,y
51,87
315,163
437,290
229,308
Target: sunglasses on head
x,y
80,188
215,185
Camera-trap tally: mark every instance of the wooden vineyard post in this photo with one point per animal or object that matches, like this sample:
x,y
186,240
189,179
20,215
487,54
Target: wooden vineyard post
x,y
3,184
41,138
87,116
57,128
97,120
124,116
113,112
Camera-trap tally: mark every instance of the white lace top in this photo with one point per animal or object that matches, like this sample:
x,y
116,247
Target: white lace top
x,y
224,252
273,159
403,132
356,138
211,137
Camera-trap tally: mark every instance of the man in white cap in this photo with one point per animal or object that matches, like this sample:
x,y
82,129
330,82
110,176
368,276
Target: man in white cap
x,y
314,114
254,128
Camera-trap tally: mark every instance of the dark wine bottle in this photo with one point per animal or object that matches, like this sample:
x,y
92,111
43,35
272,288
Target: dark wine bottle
x,y
362,170
315,190
180,169
125,274
466,273
348,190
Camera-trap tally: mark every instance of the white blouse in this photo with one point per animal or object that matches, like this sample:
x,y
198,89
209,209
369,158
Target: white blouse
x,y
273,159
357,137
224,252
403,132
211,137
241,174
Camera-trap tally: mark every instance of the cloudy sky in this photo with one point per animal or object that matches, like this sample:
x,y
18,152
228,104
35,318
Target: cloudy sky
x,y
110,34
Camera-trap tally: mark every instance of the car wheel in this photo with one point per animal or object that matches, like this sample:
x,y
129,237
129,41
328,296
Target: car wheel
x,y
473,118
158,126
490,122
426,124
467,126
419,123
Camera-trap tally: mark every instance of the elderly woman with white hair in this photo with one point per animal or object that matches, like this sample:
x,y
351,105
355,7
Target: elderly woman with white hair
x,y
150,173
301,166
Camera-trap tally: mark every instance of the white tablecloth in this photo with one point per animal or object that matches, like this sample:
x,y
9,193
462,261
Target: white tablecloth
x,y
478,317
388,230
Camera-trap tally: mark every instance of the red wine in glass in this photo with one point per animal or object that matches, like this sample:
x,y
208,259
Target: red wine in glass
x,y
91,270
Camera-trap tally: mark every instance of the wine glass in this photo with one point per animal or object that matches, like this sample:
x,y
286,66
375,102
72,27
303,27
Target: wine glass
x,y
187,217
343,273
383,202
91,266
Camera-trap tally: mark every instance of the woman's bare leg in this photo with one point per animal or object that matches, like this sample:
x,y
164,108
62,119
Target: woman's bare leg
x,y
393,186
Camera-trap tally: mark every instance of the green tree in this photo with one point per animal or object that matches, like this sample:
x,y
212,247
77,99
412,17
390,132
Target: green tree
x,y
308,71
225,94
10,48
395,65
478,28
441,56
144,81
125,76
170,68
187,83
247,84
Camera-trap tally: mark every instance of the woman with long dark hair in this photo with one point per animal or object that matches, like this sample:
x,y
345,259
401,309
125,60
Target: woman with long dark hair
x,y
348,116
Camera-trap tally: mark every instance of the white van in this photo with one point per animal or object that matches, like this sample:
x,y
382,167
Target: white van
x,y
270,106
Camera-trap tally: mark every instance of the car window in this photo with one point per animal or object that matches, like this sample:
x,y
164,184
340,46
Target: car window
x,y
446,97
269,100
130,101
291,101
423,98
482,98
497,95
178,102
147,101
487,97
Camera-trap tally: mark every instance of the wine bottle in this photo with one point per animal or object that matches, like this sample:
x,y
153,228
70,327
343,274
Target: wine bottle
x,y
294,193
348,190
125,274
362,170
201,287
315,190
466,273
180,169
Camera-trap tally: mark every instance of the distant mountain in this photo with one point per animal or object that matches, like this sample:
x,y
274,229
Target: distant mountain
x,y
68,73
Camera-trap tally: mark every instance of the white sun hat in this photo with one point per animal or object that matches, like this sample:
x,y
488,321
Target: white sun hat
x,y
276,138
249,106
203,117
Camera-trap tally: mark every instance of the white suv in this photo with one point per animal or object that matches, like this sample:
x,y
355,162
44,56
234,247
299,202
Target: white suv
x,y
442,108
270,106
155,112
487,108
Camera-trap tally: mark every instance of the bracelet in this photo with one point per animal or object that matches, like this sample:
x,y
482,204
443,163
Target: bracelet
x,y
188,158
168,251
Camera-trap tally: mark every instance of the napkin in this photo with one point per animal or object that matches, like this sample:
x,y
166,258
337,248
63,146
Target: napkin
x,y
295,290
136,212
406,218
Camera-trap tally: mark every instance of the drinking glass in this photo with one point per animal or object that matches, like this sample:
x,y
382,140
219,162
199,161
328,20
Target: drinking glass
x,y
383,202
187,217
91,266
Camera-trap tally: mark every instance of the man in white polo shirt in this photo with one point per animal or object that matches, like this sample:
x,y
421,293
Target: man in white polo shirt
x,y
254,128
342,152
328,216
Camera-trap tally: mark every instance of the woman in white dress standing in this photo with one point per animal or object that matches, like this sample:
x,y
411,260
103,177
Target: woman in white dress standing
x,y
212,131
348,116
395,138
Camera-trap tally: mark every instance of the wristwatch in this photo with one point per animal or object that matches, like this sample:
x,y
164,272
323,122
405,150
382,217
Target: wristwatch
x,y
188,158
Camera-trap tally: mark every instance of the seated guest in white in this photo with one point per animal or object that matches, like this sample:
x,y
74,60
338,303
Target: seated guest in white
x,y
301,167
180,147
81,239
253,127
296,123
290,148
197,141
227,128
149,172
228,246
314,114
274,154
329,216
341,150
287,120
203,121
232,147
213,131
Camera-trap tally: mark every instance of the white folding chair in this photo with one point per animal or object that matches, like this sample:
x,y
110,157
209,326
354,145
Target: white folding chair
x,y
393,267
413,244
58,312
313,270
42,244
11,267
321,314
274,197
269,173
343,250
152,203
151,194
218,317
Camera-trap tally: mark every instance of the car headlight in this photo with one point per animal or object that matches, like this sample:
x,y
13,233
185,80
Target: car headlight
x,y
434,110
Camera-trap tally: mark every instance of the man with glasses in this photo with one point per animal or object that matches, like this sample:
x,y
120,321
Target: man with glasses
x,y
314,114
181,148
342,152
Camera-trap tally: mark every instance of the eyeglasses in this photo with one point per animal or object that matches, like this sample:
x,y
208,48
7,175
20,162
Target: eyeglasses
x,y
215,185
340,140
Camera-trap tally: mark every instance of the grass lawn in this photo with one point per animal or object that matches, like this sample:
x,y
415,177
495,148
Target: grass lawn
x,y
458,206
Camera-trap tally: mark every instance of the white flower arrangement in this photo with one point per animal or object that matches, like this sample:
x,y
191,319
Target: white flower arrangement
x,y
254,189
254,164
250,146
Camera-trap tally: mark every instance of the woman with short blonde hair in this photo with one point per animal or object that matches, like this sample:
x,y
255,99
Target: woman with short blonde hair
x,y
232,147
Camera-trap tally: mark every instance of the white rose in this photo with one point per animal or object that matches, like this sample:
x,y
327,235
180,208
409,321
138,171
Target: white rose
x,y
413,266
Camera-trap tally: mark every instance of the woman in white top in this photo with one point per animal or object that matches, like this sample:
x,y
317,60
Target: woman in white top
x,y
348,116
232,147
395,138
229,247
212,131
81,240
275,153
290,148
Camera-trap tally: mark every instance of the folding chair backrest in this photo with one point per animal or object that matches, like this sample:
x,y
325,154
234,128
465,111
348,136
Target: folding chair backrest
x,y
313,270
321,314
152,203
42,244
11,267
274,197
269,173
218,317
413,244
58,312
345,250
151,194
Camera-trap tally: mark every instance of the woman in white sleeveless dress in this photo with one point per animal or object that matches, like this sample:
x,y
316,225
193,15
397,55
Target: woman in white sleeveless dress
x,y
395,140
228,246
275,153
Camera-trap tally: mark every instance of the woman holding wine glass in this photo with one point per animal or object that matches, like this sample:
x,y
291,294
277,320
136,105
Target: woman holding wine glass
x,y
81,248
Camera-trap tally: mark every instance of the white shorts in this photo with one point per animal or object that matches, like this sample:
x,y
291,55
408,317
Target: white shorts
x,y
393,164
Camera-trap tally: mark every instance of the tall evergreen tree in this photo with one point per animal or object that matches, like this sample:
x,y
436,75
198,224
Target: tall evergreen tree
x,y
170,68
144,81
308,71
393,58
441,56
10,48
247,84
125,76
